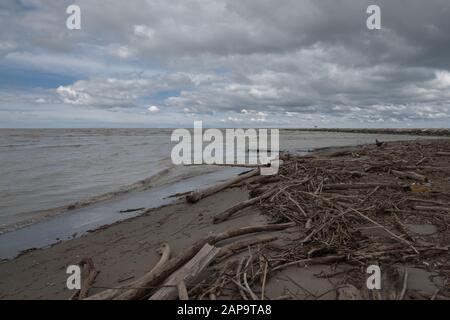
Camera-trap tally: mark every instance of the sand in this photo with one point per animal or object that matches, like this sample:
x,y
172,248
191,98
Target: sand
x,y
124,250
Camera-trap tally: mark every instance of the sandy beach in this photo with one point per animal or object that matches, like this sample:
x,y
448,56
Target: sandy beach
x,y
409,241
122,251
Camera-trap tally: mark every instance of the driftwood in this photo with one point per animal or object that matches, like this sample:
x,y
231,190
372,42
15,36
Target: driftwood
x,y
165,252
405,285
182,290
344,186
332,204
421,294
238,282
112,293
310,261
260,180
131,210
230,165
442,153
200,194
439,203
241,205
341,194
263,286
140,288
348,292
385,229
237,246
409,175
245,280
431,208
246,203
188,275
91,272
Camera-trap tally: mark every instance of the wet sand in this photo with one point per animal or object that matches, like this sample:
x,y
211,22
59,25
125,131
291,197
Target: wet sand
x,y
124,250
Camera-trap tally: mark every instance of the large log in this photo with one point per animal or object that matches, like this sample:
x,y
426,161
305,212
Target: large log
x,y
111,293
189,274
241,205
200,194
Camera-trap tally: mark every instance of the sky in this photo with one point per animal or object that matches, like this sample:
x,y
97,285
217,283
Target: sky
x,y
250,63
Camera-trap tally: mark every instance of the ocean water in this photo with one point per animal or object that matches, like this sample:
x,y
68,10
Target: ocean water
x,y
49,172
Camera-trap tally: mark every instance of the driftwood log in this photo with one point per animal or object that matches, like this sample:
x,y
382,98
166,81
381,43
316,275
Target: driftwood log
x,y
186,276
195,196
241,205
91,273
111,293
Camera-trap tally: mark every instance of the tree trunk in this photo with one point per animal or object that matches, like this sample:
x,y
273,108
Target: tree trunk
x,y
195,196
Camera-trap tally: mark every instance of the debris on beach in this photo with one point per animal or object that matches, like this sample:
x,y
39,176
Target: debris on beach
x,y
386,205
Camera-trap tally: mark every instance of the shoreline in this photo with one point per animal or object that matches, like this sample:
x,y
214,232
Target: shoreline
x,y
26,208
75,223
437,132
63,213
124,250
132,213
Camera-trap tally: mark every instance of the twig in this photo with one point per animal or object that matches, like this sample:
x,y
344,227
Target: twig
x,y
264,280
387,230
405,285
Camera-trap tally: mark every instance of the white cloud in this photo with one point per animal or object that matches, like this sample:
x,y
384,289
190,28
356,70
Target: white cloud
x,y
115,92
123,52
153,109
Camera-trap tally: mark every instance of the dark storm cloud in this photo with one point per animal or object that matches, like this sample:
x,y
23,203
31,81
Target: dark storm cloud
x,y
276,60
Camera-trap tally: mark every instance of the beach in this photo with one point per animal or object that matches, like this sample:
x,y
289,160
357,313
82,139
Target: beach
x,y
410,242
58,184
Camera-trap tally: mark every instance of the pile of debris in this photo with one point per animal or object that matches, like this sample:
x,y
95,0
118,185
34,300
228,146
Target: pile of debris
x,y
336,199
357,207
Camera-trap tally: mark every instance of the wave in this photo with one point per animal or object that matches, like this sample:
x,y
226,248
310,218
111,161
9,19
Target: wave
x,y
36,145
169,175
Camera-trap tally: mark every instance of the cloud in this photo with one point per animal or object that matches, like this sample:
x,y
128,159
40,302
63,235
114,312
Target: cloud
x,y
247,62
153,109
6,47
114,92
